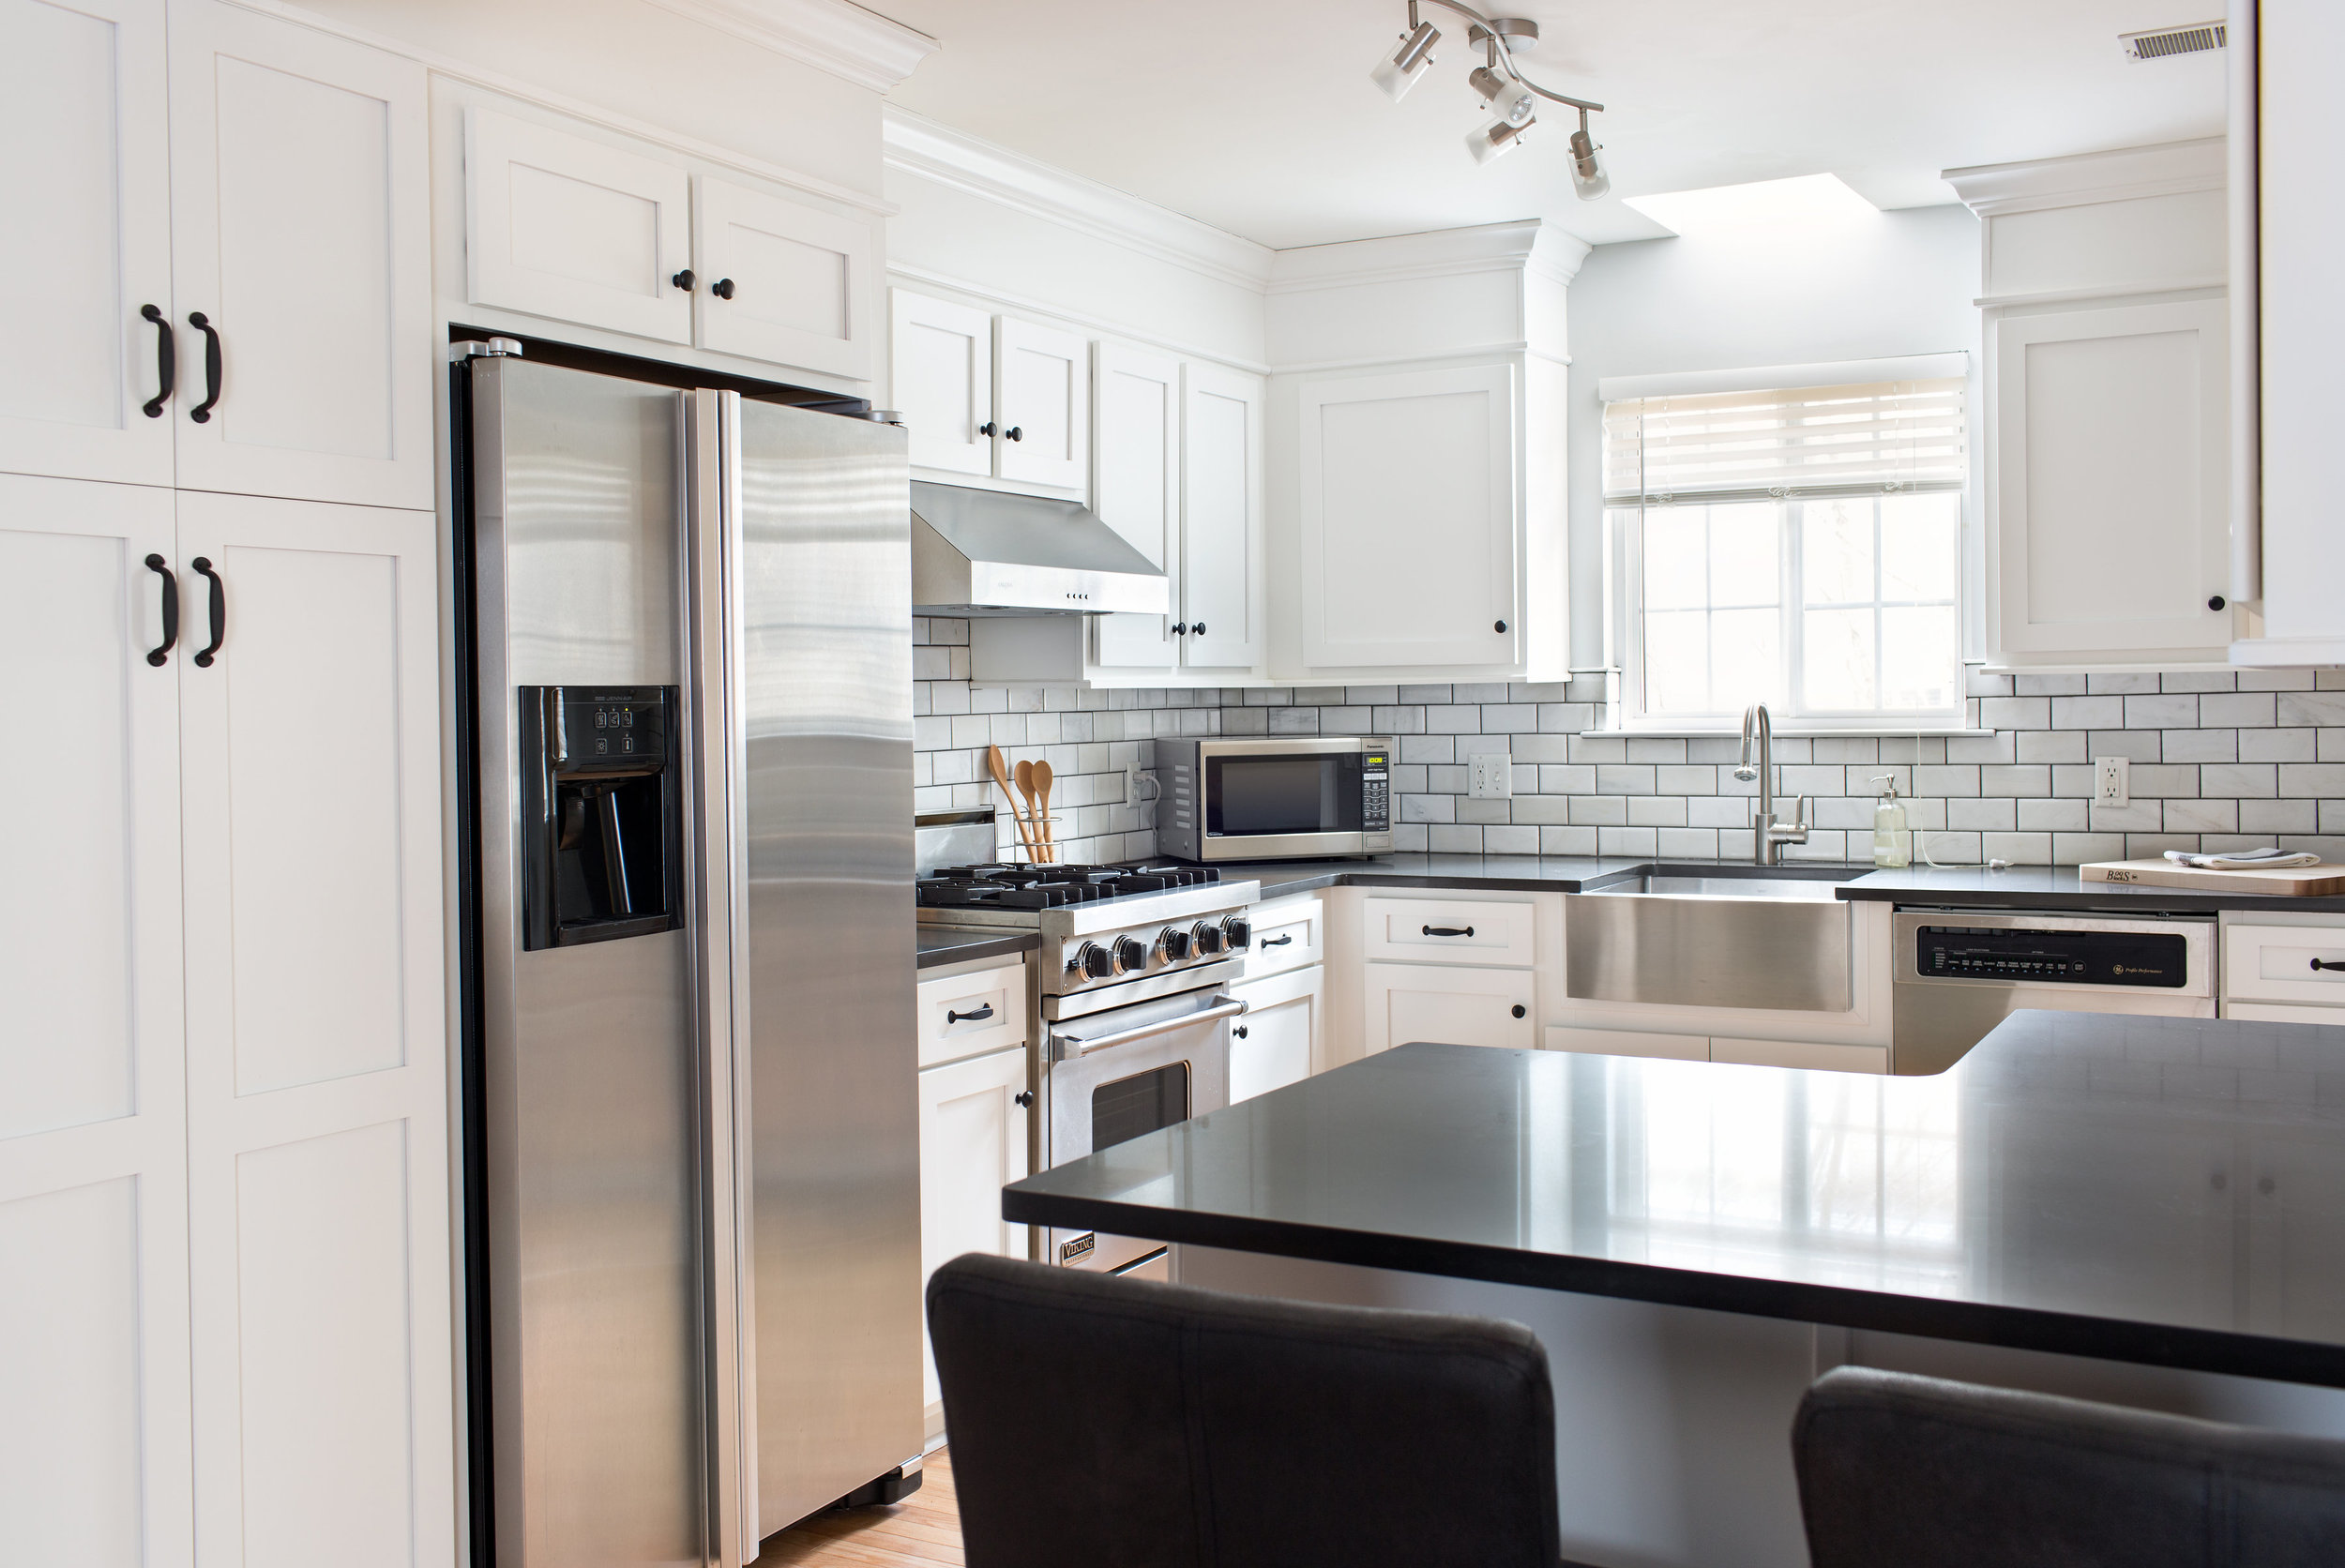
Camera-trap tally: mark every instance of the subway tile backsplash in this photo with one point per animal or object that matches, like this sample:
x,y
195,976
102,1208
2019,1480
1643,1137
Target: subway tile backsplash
x,y
2218,761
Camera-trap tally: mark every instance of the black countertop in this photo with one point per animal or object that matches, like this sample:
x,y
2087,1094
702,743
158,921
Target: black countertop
x,y
2168,1191
938,945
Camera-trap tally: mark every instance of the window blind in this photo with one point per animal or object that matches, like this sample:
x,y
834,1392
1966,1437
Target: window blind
x,y
1819,441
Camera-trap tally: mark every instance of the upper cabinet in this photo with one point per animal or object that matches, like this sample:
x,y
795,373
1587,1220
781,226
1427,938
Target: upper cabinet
x,y
992,397
2108,390
231,236
577,228
1041,404
1137,491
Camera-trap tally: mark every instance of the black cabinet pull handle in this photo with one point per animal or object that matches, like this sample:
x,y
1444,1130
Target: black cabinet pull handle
x,y
162,569
1238,1030
684,279
1276,942
1519,1009
202,413
166,363
983,1013
1498,625
1016,432
1196,628
2216,602
987,428
2317,963
1024,1097
1448,930
721,288
1180,628
219,611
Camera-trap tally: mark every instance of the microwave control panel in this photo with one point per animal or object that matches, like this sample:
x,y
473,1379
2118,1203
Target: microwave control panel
x,y
1375,793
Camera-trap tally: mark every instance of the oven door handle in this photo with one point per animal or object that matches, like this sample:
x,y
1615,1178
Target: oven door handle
x,y
1065,1048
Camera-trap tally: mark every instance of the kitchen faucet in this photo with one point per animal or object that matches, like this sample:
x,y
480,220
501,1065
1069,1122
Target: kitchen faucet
x,y
1770,834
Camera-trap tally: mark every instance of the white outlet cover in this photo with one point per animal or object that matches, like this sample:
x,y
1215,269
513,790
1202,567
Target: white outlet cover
x,y
1493,776
2112,781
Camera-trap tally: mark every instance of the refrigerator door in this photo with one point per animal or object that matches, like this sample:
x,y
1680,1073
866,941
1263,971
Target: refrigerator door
x,y
588,1053
825,658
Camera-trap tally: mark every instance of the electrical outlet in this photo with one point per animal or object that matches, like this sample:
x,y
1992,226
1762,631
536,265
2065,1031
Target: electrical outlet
x,y
2112,781
1492,776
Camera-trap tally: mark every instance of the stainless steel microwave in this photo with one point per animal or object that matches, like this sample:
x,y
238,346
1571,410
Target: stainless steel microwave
x,y
1267,798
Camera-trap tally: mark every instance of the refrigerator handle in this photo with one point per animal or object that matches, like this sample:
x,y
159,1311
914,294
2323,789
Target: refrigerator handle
x,y
720,911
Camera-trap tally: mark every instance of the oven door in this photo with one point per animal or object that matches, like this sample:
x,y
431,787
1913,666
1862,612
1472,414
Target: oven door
x,y
1288,798
1130,1070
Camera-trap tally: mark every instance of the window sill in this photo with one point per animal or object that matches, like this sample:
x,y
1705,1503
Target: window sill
x,y
1786,731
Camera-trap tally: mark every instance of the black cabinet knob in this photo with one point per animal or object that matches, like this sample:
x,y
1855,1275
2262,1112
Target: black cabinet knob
x,y
1025,1097
1016,432
2216,602
684,279
1519,1009
1498,625
1196,628
987,429
1239,1030
721,288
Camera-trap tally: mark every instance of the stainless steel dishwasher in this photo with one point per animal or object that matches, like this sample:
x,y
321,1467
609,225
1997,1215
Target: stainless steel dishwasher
x,y
1959,973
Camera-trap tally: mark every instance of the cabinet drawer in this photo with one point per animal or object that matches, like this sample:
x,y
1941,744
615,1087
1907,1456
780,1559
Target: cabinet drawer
x,y
1448,930
1451,1003
2275,963
961,1014
1627,1042
1801,1053
1289,933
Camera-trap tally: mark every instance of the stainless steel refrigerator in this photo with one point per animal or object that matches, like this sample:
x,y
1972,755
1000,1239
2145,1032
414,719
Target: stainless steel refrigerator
x,y
694,1190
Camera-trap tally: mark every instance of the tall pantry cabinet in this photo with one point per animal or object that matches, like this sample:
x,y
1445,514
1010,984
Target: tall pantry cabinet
x,y
225,1232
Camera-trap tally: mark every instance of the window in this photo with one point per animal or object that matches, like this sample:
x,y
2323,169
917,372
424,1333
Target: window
x,y
1798,547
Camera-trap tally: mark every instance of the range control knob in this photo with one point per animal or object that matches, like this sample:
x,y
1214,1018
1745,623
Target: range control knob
x,y
1131,954
1240,931
1207,936
1094,960
1176,945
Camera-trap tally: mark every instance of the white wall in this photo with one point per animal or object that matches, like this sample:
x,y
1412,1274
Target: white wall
x,y
1899,284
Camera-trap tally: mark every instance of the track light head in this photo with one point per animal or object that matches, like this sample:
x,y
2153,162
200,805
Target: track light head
x,y
1397,72
1512,102
1588,177
1496,139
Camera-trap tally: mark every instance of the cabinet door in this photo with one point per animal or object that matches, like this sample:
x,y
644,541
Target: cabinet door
x,y
301,232
93,1159
2112,479
1042,382
1461,1006
1411,555
940,370
1278,1040
86,191
972,1143
317,1107
576,230
783,281
1222,517
1137,491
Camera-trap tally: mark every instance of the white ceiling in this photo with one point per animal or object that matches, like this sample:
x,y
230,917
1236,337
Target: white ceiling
x,y
1258,117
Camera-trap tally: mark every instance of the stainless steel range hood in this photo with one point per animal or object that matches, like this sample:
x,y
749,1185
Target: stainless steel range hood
x,y
983,552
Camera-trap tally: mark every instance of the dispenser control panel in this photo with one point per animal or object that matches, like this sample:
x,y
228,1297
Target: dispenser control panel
x,y
615,728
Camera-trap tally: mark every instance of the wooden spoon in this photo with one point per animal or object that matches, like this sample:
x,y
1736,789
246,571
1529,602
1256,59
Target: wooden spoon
x,y
1024,775
1042,818
1000,767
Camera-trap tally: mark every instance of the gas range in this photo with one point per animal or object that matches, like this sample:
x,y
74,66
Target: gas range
x,y
1110,934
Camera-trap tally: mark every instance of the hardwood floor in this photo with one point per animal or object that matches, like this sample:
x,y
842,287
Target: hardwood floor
x,y
921,1531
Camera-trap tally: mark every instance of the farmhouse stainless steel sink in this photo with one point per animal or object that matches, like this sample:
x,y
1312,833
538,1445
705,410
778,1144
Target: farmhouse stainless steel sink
x,y
1769,937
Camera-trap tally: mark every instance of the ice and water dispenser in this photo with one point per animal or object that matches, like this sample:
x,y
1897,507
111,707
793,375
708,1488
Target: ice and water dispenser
x,y
601,814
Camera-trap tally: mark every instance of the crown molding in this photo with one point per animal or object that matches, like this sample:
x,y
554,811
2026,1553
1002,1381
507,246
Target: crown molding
x,y
833,36
2121,174
918,146
1394,258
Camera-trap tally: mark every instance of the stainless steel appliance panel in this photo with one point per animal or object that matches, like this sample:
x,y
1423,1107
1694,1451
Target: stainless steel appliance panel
x,y
1707,952
588,1050
1188,808
825,637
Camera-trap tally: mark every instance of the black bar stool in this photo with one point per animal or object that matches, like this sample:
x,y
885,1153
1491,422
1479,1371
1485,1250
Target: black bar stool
x,y
1923,1473
1103,1423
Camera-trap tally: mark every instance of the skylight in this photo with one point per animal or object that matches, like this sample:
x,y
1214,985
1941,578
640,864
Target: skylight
x,y
1807,200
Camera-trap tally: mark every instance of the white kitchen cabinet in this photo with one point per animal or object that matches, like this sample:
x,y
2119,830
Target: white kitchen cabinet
x,y
85,248
94,1399
301,236
1450,929
1453,1002
783,281
1411,552
1136,489
575,229
975,1139
2111,480
317,1088
1289,933
1221,581
1042,401
1279,1039
940,368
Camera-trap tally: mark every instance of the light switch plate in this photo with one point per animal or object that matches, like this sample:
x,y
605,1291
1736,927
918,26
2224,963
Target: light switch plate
x,y
1493,776
2112,781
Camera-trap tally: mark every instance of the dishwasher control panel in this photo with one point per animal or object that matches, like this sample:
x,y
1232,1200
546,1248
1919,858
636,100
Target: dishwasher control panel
x,y
2018,956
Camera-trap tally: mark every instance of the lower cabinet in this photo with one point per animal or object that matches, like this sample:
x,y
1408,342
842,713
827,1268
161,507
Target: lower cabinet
x,y
1279,1039
1456,1003
975,1139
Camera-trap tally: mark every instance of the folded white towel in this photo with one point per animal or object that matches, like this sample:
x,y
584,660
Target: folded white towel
x,y
2244,860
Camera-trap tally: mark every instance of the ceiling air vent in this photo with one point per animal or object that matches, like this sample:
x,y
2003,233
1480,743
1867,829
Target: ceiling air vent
x,y
2160,42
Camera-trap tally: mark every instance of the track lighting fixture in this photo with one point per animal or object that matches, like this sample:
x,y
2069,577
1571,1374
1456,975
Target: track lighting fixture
x,y
1510,98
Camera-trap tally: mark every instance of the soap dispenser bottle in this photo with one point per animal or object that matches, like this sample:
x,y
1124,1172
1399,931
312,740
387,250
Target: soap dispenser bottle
x,y
1893,841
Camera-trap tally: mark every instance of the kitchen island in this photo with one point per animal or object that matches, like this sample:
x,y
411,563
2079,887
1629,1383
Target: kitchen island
x,y
2147,1210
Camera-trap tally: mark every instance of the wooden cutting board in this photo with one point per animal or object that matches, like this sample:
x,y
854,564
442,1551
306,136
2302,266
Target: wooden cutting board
x,y
2300,882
